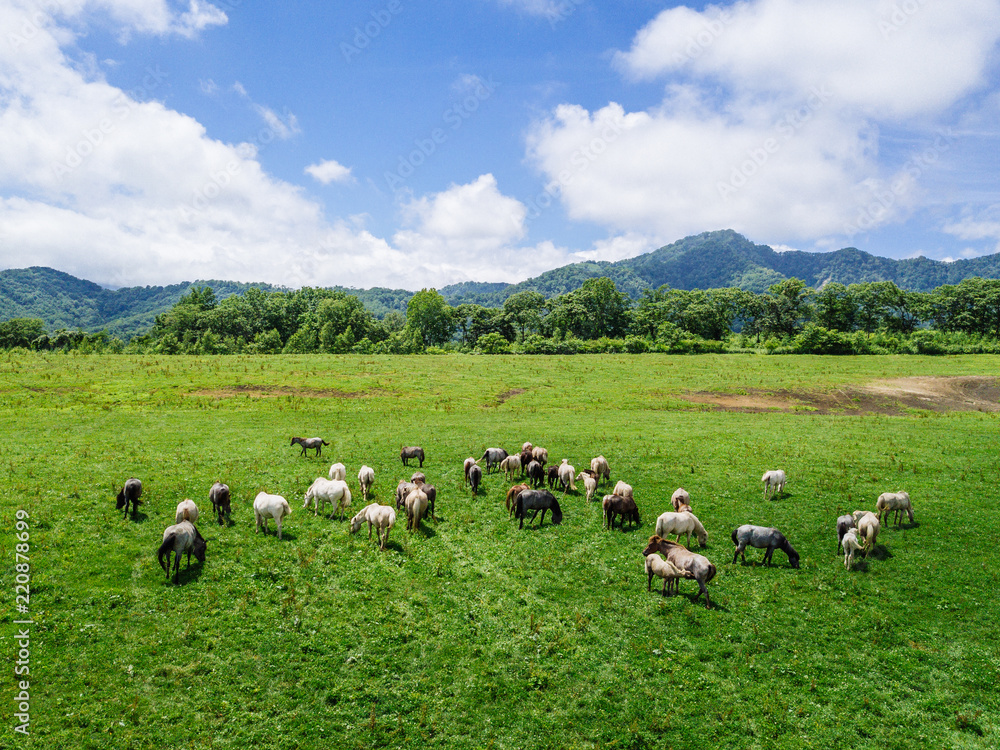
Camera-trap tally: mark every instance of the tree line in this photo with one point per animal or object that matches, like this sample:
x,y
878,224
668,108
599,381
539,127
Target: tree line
x,y
791,317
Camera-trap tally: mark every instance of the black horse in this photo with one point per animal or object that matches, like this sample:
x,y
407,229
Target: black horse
x,y
537,500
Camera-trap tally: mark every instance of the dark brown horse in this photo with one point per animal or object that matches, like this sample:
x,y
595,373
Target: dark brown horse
x,y
129,494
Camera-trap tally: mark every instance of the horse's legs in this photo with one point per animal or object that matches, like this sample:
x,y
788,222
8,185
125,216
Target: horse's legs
x,y
177,566
739,551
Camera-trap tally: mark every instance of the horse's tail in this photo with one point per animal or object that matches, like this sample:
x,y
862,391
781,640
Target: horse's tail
x,y
556,512
323,441
164,551
519,507
711,572
735,540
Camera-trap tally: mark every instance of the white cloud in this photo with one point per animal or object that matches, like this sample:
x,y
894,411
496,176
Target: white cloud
x,y
871,53
328,171
121,191
281,126
771,117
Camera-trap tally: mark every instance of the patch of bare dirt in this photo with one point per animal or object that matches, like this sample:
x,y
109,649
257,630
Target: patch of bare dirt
x,y
890,397
275,391
507,395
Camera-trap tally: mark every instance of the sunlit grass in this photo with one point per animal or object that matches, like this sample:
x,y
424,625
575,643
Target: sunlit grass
x,y
472,633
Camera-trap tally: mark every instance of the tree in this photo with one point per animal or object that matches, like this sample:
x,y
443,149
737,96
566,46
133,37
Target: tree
x,y
594,310
836,308
525,311
20,332
787,307
429,318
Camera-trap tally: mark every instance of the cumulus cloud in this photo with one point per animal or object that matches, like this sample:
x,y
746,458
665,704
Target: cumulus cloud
x,y
116,187
328,171
770,119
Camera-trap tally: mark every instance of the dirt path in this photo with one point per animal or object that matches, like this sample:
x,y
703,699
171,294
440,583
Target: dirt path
x,y
890,397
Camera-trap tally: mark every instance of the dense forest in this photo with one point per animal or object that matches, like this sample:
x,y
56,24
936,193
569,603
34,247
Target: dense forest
x,y
790,317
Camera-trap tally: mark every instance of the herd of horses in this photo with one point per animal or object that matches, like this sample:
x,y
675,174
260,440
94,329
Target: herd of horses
x,y
526,501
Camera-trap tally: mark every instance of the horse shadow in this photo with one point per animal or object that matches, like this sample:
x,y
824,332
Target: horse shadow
x,y
187,574
426,531
879,552
138,517
627,529
905,526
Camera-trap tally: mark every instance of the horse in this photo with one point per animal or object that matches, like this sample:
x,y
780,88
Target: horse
x,y
180,538
699,566
413,451
129,494
313,442
537,500
763,537
219,495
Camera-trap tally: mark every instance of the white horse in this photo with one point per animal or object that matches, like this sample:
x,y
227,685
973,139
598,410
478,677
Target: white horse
x,y
774,483
333,491
366,478
681,523
382,517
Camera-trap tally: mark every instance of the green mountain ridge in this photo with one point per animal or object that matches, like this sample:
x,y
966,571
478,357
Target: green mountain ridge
x,y
705,261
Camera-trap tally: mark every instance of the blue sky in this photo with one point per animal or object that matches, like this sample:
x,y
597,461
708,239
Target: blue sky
x,y
411,145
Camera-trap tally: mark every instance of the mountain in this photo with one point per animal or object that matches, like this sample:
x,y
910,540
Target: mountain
x,y
727,259
64,301
709,260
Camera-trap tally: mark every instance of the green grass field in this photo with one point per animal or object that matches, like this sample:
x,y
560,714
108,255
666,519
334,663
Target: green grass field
x,y
471,633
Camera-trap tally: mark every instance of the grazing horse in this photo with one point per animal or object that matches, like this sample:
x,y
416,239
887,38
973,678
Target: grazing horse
x,y
382,517
512,494
536,474
844,524
615,505
313,442
219,495
475,477
493,457
699,566
537,500
180,538
129,494
763,537
413,451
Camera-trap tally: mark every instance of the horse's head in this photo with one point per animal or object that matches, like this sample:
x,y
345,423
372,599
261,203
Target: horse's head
x,y
654,545
200,545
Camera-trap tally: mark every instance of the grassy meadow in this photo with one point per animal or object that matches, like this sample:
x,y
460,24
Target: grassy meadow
x,y
471,633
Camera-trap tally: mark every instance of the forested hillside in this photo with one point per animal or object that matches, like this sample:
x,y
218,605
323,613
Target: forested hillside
x,y
712,260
